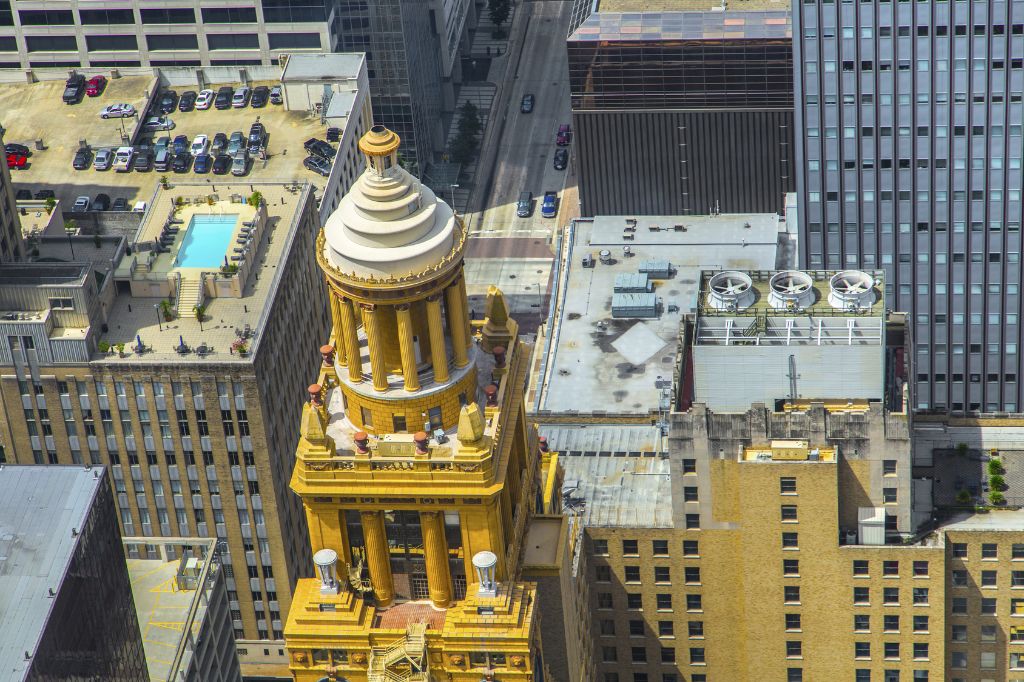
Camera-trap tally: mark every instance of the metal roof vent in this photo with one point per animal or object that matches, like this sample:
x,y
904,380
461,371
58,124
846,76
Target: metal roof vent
x,y
730,290
485,563
791,290
852,290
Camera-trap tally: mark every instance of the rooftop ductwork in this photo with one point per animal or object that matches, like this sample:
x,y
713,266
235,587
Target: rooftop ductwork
x,y
791,290
731,291
852,290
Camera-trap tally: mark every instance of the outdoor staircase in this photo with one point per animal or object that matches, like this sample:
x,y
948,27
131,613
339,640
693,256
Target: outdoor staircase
x,y
404,660
758,327
190,294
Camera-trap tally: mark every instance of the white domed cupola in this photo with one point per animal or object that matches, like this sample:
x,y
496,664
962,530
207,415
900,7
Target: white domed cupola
x,y
389,225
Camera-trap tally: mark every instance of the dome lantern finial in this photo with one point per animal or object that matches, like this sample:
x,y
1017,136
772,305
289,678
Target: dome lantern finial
x,y
380,146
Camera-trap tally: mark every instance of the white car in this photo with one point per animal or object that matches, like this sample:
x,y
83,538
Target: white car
x,y
156,123
104,158
241,97
205,99
199,145
123,159
81,204
117,111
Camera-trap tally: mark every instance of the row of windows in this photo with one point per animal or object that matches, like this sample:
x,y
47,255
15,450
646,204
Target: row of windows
x,y
666,628
658,547
661,574
939,131
890,623
890,596
904,31
982,64
890,568
635,601
129,42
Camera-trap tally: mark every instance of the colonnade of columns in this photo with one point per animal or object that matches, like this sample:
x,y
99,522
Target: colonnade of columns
x,y
377,318
435,549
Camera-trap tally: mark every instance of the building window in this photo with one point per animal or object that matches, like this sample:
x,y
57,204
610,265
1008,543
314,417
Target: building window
x,y
891,568
690,494
666,628
793,622
960,550
696,656
791,594
367,417
860,567
659,547
920,569
634,602
794,675
787,485
862,650
601,547
693,521
694,628
664,602
632,574
989,551
691,575
860,595
689,466
788,512
693,602
791,567
790,541
861,623
889,496
988,578
793,649
690,548
630,548
602,574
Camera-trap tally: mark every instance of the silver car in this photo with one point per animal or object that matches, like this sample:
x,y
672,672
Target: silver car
x,y
240,164
117,111
104,159
155,123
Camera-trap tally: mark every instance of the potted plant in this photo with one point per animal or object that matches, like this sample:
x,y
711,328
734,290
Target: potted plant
x,y
240,346
120,348
167,310
210,201
163,181
103,347
229,269
997,482
995,467
255,199
50,204
963,497
997,498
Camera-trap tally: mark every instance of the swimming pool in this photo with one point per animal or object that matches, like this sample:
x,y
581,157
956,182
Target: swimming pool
x,y
207,241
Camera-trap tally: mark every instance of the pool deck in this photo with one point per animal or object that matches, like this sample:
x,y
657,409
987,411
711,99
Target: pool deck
x,y
152,227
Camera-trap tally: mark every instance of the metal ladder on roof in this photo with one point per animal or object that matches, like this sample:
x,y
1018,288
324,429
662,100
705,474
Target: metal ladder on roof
x,y
404,660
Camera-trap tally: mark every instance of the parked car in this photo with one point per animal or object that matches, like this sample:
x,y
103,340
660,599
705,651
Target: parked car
x,y
257,138
276,95
181,162
219,144
526,106
121,110
123,158
162,142
188,100
45,194
202,163
199,145
564,136
241,97
561,159
221,164
223,99
82,160
240,163
74,88
120,204
260,95
317,165
549,206
167,102
96,86
319,148
205,99
235,143
81,204
525,204
101,202
139,207
180,144
16,161
23,195
13,148
156,123
162,160
104,159
143,163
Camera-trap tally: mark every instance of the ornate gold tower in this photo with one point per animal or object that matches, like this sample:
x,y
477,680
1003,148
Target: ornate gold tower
x,y
416,467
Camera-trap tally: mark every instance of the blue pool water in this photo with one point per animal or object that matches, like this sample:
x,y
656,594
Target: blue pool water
x,y
207,241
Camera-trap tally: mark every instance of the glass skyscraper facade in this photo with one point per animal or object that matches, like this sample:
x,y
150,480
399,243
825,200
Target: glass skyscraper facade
x,y
909,153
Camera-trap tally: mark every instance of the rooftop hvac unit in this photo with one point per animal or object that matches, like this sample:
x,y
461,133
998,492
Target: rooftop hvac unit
x,y
791,290
730,290
851,290
656,269
632,283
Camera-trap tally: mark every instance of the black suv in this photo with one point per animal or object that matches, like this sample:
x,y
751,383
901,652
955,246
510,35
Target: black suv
x,y
319,148
181,163
168,102
74,88
12,148
561,158
260,95
188,100
257,138
83,159
224,95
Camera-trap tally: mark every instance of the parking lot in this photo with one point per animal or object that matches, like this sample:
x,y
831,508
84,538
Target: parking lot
x,y
35,111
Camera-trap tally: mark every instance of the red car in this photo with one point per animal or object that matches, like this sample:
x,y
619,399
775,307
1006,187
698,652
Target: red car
x,y
16,161
564,135
95,86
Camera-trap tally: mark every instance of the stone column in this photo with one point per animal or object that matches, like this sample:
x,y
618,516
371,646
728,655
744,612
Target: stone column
x,y
337,330
438,353
378,557
435,551
406,345
464,297
457,324
348,330
378,368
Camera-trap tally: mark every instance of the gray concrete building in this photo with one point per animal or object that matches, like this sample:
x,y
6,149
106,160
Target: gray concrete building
x,y
11,248
413,48
909,150
680,107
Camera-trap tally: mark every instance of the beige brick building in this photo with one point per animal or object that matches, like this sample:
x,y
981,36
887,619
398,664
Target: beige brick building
x,y
106,360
